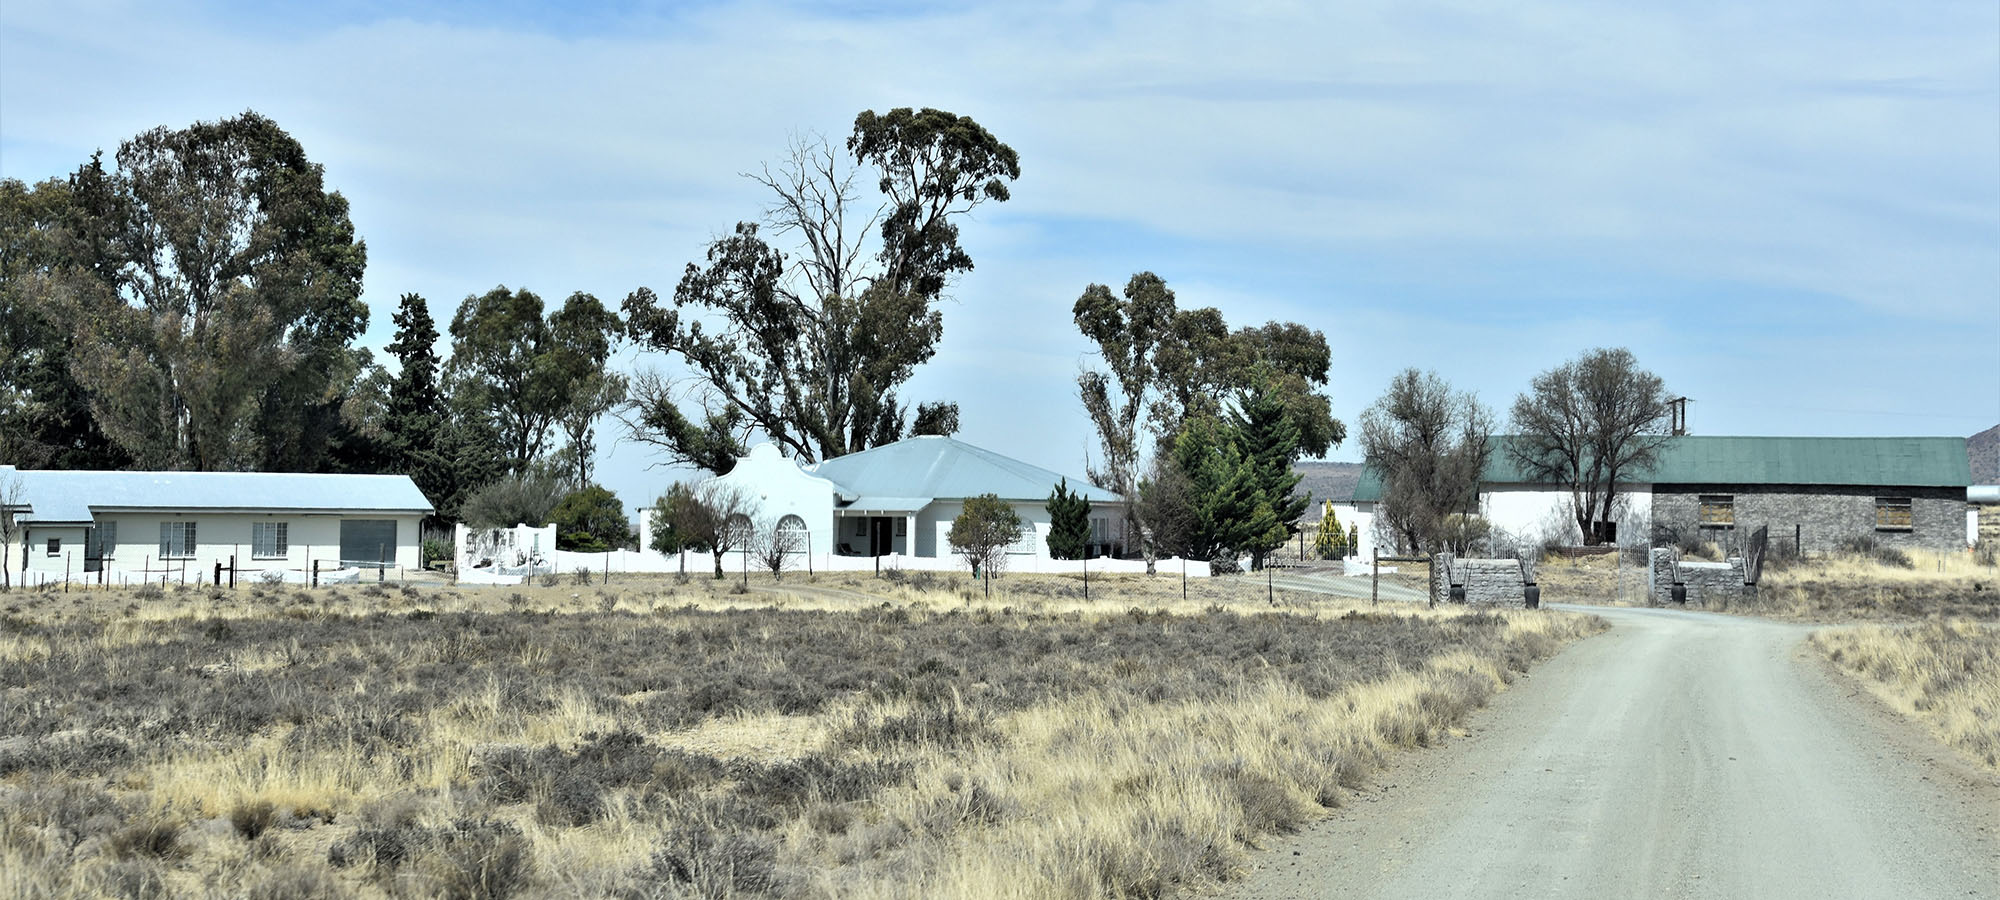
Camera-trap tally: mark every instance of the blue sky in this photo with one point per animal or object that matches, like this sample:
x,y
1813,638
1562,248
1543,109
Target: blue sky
x,y
1789,210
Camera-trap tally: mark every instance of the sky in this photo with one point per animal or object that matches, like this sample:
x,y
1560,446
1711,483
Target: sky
x,y
1789,210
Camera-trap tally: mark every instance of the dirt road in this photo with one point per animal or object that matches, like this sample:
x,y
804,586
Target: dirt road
x,y
1679,755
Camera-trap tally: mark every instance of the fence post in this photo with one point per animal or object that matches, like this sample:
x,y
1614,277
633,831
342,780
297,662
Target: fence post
x,y
66,555
1374,576
315,573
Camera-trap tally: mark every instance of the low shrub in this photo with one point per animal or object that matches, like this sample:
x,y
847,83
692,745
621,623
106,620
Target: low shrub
x,y
252,819
147,839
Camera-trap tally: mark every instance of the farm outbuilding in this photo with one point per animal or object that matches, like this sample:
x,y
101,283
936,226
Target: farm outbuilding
x,y
129,527
1905,492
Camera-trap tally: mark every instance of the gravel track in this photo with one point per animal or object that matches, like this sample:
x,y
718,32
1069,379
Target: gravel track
x,y
1679,755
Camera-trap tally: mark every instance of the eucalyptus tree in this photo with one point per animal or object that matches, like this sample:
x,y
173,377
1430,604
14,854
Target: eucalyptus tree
x,y
1164,367
520,371
810,348
214,287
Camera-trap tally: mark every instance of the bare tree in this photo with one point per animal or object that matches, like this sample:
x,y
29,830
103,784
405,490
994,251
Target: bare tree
x,y
725,525
1430,445
777,543
11,500
1589,424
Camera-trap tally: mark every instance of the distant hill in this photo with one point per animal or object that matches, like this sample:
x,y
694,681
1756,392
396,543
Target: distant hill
x,y
1327,481
1984,450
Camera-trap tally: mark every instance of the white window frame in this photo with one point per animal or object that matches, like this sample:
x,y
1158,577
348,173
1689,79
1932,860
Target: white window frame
x,y
55,546
280,541
177,540
1026,545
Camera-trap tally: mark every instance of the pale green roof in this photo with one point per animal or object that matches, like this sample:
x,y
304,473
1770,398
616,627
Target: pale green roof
x,y
76,496
1714,459
899,475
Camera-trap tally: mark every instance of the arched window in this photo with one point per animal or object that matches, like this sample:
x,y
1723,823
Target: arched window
x,y
792,531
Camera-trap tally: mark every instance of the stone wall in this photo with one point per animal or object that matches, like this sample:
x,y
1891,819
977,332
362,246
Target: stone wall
x,y
1487,582
1710,585
1823,514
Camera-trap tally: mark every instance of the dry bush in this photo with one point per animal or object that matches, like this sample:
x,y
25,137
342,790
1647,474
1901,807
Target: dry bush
x,y
1943,673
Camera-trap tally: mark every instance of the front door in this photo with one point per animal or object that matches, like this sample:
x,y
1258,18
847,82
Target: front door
x,y
880,540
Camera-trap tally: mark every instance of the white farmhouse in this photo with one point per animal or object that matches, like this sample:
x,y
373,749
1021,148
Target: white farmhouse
x,y
900,499
131,527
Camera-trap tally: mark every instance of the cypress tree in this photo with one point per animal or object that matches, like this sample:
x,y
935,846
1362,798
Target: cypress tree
x,y
1268,440
1069,523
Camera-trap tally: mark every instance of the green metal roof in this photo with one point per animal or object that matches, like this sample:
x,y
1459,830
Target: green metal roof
x,y
1707,459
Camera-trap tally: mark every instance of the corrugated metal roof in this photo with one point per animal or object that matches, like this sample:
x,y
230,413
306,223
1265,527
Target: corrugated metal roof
x,y
929,467
71,496
1719,459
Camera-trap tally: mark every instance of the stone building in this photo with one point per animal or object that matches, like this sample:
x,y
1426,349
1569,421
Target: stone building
x,y
1905,492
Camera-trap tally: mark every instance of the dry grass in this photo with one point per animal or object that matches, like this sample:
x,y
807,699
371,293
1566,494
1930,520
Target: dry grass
x,y
1945,674
1858,587
840,737
1600,580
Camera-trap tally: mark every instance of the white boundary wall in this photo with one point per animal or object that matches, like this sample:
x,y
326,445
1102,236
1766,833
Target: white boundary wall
x,y
701,564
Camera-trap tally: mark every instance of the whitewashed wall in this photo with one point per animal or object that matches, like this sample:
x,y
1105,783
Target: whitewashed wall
x,y
135,557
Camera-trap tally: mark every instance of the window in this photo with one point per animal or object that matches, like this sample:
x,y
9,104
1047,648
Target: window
x,y
902,527
1892,514
1026,543
860,527
1100,530
1718,511
55,546
269,540
176,540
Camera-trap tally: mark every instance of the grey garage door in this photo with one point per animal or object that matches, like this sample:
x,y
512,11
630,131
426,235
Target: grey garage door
x,y
368,541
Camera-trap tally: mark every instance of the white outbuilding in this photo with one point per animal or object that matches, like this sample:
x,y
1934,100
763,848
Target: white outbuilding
x,y
132,527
